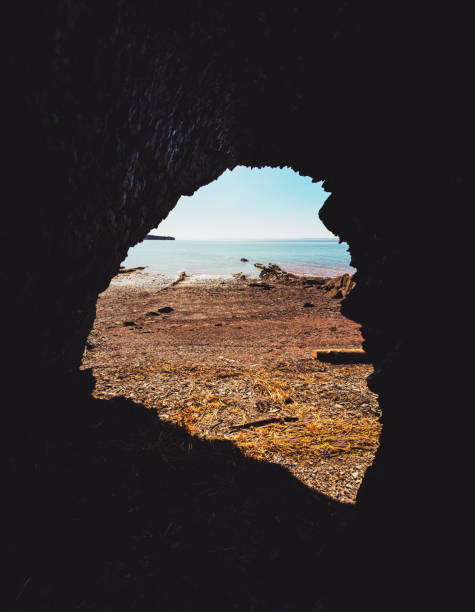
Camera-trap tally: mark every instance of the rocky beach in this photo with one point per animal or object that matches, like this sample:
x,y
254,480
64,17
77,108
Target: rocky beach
x,y
232,359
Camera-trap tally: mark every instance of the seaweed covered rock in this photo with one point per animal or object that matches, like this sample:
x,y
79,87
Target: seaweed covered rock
x,y
274,272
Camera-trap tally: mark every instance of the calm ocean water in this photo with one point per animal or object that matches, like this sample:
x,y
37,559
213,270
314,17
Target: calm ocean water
x,y
320,257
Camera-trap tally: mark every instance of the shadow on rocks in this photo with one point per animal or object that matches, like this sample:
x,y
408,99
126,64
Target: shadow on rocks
x,y
111,509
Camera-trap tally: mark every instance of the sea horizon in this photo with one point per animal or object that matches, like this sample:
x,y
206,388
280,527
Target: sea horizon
x,y
263,238
222,257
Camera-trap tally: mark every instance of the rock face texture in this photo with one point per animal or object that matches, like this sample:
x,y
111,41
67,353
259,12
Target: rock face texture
x,y
116,109
340,286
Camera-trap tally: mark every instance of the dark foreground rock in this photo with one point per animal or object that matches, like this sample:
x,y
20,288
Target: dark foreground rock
x,y
131,513
165,309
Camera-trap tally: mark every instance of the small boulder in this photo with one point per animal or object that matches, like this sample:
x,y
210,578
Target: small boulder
x,y
264,286
274,272
95,337
181,277
244,259
340,286
165,309
239,276
309,305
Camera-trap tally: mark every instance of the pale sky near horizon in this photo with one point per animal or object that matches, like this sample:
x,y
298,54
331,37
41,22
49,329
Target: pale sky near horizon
x,y
250,203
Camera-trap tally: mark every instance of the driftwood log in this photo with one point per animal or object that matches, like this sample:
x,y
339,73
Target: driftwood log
x,y
342,356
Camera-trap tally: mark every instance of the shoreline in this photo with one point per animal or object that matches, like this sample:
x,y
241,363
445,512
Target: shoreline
x,y
148,278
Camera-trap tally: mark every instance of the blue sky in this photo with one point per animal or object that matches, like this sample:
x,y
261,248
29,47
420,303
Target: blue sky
x,y
250,203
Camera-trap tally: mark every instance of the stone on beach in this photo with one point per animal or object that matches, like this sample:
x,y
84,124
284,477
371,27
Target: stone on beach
x,y
181,277
340,286
239,276
123,270
274,272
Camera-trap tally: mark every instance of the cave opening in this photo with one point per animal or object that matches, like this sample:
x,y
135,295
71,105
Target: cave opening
x,y
218,334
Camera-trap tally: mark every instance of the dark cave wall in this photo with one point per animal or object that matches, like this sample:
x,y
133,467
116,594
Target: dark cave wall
x,y
115,132
122,109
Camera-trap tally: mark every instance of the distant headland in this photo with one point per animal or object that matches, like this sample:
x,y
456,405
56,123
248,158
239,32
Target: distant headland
x,y
152,237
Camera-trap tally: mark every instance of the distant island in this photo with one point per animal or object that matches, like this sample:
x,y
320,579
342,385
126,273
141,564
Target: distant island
x,y
152,237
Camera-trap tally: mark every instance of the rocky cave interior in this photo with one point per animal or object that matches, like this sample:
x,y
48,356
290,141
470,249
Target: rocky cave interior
x,y
116,110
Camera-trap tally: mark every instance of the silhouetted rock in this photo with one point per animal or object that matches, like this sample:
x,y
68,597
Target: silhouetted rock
x,y
123,270
153,237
